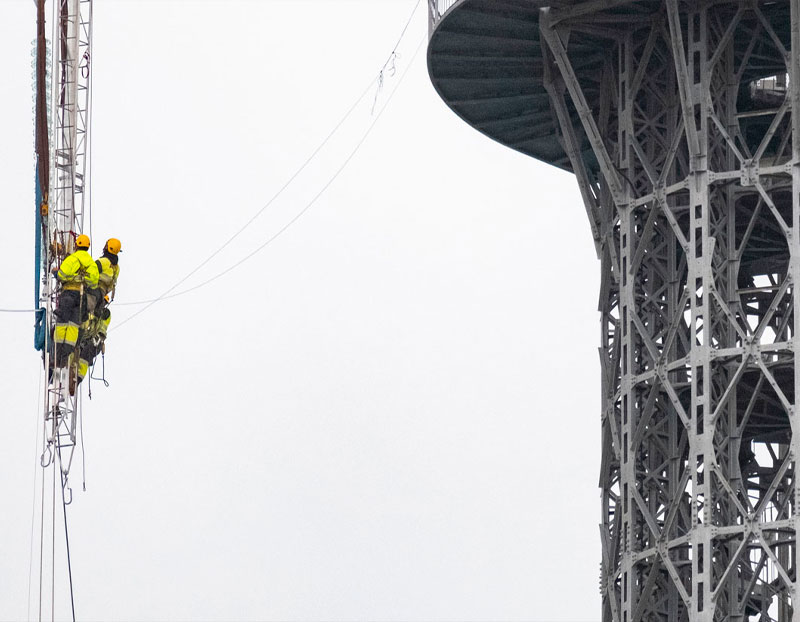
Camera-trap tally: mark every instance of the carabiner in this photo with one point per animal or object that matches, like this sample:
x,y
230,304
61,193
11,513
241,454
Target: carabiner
x,y
85,67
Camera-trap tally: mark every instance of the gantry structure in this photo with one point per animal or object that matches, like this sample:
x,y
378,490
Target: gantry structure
x,y
681,122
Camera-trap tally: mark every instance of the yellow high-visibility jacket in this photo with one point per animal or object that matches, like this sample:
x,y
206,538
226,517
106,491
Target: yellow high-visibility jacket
x,y
77,268
109,274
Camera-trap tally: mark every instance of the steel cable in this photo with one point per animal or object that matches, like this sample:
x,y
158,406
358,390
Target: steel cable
x,y
297,216
41,546
33,501
305,164
66,531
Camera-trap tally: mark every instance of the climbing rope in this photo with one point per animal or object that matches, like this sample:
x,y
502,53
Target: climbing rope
x,y
64,505
33,499
83,455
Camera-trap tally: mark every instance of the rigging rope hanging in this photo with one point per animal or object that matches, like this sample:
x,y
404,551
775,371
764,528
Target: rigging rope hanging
x,y
64,505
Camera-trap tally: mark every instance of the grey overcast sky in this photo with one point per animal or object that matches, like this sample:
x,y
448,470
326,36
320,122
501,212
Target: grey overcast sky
x,y
390,413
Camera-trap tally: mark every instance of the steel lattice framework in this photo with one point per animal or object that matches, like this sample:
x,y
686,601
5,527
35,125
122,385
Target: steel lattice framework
x,y
61,190
681,122
68,157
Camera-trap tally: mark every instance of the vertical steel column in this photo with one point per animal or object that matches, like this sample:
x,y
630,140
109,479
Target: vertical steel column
x,y
693,85
730,464
627,304
794,94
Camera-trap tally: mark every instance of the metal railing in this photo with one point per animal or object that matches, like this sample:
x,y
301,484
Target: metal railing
x,y
436,10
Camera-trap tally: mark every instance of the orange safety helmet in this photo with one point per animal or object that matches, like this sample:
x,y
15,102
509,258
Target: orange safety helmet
x,y
82,241
113,246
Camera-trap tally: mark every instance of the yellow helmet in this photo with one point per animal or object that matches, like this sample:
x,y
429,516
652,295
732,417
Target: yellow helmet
x,y
113,246
82,241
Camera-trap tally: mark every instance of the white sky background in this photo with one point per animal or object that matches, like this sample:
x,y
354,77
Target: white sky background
x,y
390,413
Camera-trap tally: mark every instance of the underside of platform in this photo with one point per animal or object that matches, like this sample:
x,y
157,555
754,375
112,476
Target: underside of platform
x,y
485,59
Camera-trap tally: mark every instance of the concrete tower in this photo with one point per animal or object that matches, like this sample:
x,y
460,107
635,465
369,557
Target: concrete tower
x,y
681,122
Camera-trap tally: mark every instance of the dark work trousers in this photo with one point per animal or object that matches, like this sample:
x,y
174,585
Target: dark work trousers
x,y
70,314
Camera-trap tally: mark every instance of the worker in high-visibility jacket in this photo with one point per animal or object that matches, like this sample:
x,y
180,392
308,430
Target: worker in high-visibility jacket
x,y
78,275
108,269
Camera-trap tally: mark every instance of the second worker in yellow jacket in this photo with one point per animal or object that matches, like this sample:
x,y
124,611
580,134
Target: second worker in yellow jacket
x,y
108,269
108,266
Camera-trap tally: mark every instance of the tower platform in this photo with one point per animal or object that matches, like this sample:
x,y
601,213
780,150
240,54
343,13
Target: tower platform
x,y
485,60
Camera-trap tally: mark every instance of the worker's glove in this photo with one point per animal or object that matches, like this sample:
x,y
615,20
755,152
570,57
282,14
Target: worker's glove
x,y
54,270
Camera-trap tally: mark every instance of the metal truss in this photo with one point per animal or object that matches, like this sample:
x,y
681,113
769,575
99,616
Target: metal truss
x,y
65,220
69,154
686,148
61,189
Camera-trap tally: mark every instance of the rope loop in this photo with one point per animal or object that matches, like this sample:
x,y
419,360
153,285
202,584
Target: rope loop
x,y
392,64
103,377
49,453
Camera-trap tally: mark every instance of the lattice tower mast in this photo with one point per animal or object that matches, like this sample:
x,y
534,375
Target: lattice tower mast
x,y
62,189
68,191
681,122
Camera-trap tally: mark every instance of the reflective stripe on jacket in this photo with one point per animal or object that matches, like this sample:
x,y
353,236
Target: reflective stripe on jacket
x,y
76,268
109,274
66,334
